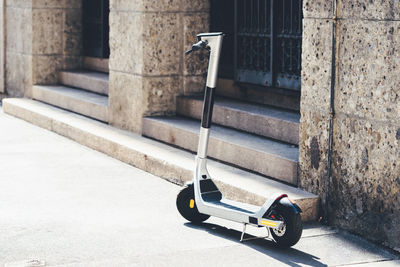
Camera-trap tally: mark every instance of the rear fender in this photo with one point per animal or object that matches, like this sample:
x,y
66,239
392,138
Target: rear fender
x,y
282,202
285,201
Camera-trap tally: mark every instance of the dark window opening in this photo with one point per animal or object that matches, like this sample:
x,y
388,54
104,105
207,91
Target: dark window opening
x,y
263,43
96,28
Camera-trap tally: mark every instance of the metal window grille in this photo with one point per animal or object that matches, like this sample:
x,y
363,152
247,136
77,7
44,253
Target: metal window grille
x,y
267,40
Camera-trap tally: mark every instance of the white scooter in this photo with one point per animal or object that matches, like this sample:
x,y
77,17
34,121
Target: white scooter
x,y
201,198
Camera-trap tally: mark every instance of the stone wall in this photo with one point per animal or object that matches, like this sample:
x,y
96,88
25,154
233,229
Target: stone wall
x,y
42,37
2,47
364,194
147,65
18,63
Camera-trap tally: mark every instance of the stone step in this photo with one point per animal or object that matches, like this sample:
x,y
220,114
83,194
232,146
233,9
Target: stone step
x,y
96,64
79,101
288,99
263,120
167,162
255,153
96,82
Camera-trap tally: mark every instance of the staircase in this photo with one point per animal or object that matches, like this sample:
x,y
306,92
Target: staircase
x,y
253,147
255,137
81,91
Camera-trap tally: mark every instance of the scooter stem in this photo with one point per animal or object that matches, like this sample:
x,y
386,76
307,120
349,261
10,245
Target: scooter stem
x,y
214,43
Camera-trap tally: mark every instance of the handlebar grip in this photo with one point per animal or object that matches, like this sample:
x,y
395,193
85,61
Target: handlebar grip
x,y
197,46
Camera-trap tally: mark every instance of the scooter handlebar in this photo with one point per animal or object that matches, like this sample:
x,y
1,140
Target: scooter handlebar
x,y
197,46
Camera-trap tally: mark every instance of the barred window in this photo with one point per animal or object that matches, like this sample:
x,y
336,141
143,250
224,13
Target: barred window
x,y
263,44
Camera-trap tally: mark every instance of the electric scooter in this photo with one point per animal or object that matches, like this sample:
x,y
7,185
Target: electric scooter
x,y
201,198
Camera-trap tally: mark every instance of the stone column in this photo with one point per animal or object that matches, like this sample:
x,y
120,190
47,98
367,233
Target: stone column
x,y
2,46
147,66
315,94
365,187
43,37
56,38
18,50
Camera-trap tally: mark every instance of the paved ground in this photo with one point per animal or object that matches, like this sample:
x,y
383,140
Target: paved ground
x,y
65,204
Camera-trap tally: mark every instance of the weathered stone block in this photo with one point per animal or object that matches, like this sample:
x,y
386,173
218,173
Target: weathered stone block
x,y
47,27
125,101
18,72
160,6
153,42
45,69
316,64
126,5
132,96
317,8
72,44
19,30
19,3
162,40
377,10
366,181
126,42
159,95
313,149
193,84
195,63
369,60
56,3
72,32
2,54
73,20
156,5
195,5
72,62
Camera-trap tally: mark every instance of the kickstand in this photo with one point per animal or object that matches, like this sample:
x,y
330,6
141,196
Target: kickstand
x,y
244,230
251,238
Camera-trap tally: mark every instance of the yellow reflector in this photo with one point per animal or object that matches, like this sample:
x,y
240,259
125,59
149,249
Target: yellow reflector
x,y
268,223
191,203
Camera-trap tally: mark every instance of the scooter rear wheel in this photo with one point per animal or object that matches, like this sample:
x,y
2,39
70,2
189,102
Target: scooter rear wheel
x,y
186,205
290,233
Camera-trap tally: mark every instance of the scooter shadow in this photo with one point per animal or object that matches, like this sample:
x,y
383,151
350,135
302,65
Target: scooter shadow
x,y
289,256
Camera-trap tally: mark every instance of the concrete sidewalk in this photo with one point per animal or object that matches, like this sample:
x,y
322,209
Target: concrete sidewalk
x,y
66,205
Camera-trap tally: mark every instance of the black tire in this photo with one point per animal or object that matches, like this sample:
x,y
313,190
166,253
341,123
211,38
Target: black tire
x,y
293,227
191,214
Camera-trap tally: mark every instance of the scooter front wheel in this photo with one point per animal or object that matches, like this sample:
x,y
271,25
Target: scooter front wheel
x,y
290,233
185,202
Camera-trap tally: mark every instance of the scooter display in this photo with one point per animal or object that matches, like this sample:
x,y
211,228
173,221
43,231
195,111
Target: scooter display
x,y
201,198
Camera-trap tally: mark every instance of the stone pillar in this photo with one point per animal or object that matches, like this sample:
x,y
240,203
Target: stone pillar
x,y
18,50
147,65
365,188
43,37
2,46
315,95
57,38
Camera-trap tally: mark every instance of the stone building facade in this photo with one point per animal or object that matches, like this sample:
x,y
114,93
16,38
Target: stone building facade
x,y
364,188
41,37
146,40
154,34
147,71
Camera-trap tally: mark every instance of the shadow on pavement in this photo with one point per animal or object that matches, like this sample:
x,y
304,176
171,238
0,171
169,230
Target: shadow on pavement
x,y
290,256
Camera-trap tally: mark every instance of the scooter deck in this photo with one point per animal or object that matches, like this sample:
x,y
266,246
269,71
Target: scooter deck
x,y
234,205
